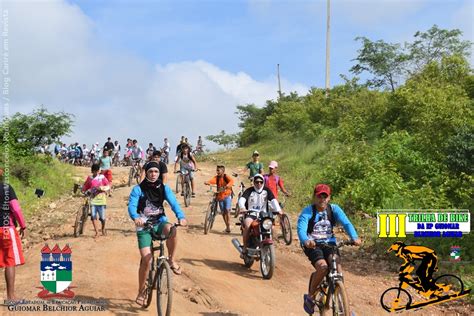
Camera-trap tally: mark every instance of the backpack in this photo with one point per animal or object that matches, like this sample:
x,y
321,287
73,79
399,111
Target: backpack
x,y
225,177
330,214
277,178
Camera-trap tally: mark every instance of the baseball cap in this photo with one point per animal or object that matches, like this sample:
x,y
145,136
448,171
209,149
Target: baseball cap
x,y
322,188
273,164
255,153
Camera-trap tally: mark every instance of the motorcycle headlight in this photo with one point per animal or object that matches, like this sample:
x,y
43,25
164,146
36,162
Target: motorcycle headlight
x,y
267,224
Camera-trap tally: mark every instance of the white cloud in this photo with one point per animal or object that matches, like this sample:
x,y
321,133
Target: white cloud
x,y
56,61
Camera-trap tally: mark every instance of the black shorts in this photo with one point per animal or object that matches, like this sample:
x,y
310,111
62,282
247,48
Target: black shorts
x,y
318,253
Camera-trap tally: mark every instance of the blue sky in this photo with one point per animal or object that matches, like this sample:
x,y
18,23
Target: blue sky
x,y
253,36
155,69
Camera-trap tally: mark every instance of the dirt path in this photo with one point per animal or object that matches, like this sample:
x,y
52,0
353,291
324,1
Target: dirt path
x,y
214,281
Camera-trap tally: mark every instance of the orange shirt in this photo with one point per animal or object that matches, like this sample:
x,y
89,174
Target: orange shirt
x,y
222,195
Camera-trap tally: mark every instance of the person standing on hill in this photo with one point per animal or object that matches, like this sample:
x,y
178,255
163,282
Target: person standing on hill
x,y
97,184
254,166
109,146
11,253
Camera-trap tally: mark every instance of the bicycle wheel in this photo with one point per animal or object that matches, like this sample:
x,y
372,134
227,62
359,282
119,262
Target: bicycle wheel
x,y
78,223
213,213
85,212
394,299
285,225
267,261
340,302
137,176
207,219
164,289
187,194
237,208
150,284
178,182
449,285
130,176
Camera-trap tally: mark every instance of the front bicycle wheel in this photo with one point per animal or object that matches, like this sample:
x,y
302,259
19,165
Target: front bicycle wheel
x,y
448,284
130,176
207,219
164,289
340,303
237,208
85,212
286,229
187,194
395,299
78,223
150,284
213,214
178,182
137,176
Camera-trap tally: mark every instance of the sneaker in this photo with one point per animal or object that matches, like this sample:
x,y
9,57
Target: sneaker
x,y
308,304
193,195
182,194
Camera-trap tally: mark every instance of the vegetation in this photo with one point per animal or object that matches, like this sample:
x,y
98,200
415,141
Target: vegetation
x,y
27,171
410,146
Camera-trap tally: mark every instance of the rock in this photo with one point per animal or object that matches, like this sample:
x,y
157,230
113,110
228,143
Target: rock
x,y
52,206
373,256
365,215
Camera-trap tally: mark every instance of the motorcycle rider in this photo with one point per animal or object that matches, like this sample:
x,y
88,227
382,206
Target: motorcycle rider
x,y
256,199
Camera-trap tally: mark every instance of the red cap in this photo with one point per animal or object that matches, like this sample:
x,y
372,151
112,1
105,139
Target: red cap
x,y
322,188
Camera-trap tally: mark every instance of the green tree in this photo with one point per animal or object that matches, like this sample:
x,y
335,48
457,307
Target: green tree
x,y
28,131
226,140
435,44
385,61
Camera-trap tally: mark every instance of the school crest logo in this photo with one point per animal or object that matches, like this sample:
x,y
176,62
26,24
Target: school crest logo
x,y
455,253
56,272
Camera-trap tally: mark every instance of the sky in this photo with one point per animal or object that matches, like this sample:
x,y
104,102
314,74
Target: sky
x,y
152,69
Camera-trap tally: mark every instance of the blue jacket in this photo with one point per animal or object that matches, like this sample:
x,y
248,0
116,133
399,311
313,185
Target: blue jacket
x,y
339,218
169,197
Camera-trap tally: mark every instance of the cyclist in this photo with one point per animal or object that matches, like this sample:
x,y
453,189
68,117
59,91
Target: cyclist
x,y
315,226
424,283
109,146
136,153
179,147
146,204
254,166
187,163
199,145
116,152
150,150
166,149
254,200
97,184
106,167
156,156
224,185
273,181
11,253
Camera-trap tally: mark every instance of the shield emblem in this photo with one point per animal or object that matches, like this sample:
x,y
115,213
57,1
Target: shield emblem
x,y
56,275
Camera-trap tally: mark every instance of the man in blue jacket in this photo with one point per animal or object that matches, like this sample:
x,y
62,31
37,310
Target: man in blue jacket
x,y
146,204
315,226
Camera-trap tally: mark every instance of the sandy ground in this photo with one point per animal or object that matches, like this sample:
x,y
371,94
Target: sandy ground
x,y
214,280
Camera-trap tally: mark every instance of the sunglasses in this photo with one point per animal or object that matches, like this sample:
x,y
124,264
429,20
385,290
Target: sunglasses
x,y
258,182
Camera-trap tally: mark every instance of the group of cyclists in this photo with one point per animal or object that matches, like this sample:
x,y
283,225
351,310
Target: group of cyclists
x,y
146,206
315,223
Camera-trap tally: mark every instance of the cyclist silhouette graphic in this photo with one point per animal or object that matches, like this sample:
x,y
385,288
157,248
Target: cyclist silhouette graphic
x,y
423,282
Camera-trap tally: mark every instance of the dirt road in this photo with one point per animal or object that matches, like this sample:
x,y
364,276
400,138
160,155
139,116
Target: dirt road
x,y
214,281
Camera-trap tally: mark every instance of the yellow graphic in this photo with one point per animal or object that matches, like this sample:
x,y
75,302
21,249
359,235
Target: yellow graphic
x,y
444,288
394,230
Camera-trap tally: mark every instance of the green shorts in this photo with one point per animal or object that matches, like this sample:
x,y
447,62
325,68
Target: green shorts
x,y
144,236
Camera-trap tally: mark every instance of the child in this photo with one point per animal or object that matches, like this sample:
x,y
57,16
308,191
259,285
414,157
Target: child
x,y
97,185
224,185
254,166
106,167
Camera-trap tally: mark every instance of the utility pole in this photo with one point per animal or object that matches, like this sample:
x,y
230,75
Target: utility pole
x,y
279,84
328,33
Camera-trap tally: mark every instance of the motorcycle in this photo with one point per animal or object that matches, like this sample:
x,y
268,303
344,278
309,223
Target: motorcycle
x,y
260,243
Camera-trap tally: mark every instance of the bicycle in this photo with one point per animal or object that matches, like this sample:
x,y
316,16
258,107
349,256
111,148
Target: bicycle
x,y
186,185
159,276
82,213
285,224
397,298
241,191
332,293
211,210
134,172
